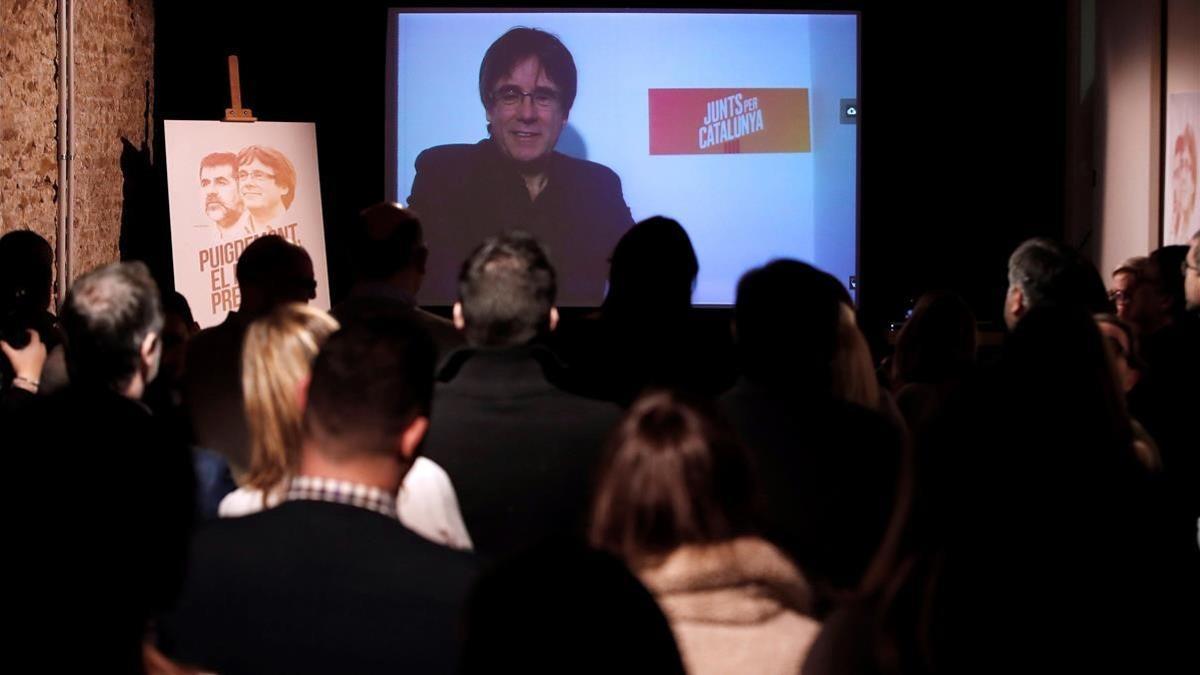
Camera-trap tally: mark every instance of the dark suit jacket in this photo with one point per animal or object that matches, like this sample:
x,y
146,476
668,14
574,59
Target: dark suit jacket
x,y
466,193
520,451
317,587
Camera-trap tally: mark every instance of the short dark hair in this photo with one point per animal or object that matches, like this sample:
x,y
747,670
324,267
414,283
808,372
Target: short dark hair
x,y
271,263
786,320
371,379
519,44
107,315
675,474
285,172
389,239
1049,273
507,288
220,159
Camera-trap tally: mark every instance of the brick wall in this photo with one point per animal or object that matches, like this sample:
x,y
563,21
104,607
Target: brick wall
x,y
28,114
114,61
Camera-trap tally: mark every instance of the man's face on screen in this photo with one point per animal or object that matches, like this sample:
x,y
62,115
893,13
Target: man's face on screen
x,y
258,187
526,130
219,188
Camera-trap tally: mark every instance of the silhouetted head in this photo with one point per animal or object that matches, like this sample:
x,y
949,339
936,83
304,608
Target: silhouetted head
x,y
389,241
1167,262
786,321
273,271
652,271
938,341
26,270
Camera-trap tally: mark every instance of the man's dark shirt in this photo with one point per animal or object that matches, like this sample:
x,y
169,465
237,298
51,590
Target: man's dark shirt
x,y
466,193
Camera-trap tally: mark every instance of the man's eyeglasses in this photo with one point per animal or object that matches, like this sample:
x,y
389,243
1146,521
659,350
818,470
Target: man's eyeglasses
x,y
511,96
1119,296
256,175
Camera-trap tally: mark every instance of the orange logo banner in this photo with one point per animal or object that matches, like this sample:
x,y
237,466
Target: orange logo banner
x,y
724,121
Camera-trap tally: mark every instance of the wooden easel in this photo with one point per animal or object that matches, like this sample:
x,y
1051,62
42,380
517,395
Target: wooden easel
x,y
237,113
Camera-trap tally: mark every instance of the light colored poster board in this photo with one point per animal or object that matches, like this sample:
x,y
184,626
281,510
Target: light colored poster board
x,y
1181,203
229,184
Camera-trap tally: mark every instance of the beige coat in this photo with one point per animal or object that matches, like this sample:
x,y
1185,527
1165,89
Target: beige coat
x,y
736,607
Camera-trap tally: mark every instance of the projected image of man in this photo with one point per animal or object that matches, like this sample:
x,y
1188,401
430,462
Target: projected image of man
x,y
267,183
515,179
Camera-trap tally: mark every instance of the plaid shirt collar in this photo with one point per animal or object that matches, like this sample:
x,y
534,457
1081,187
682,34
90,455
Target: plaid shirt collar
x,y
320,489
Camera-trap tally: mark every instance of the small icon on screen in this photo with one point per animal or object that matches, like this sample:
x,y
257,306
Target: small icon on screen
x,y
849,110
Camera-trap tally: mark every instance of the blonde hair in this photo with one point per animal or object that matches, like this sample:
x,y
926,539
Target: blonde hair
x,y
853,372
277,357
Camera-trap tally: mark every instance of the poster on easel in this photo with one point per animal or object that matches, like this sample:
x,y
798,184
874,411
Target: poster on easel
x,y
1181,204
229,184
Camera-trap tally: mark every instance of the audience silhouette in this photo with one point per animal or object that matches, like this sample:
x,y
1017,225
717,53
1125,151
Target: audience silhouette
x,y
430,495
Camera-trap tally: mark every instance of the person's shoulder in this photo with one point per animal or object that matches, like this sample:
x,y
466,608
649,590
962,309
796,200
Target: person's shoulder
x,y
434,321
218,548
124,417
451,561
447,156
586,169
585,411
230,327
394,546
597,406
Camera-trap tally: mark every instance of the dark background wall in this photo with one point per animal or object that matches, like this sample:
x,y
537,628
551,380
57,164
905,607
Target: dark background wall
x,y
962,128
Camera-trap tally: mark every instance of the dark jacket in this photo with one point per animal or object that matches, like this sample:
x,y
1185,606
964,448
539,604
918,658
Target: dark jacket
x,y
520,451
466,193
318,587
